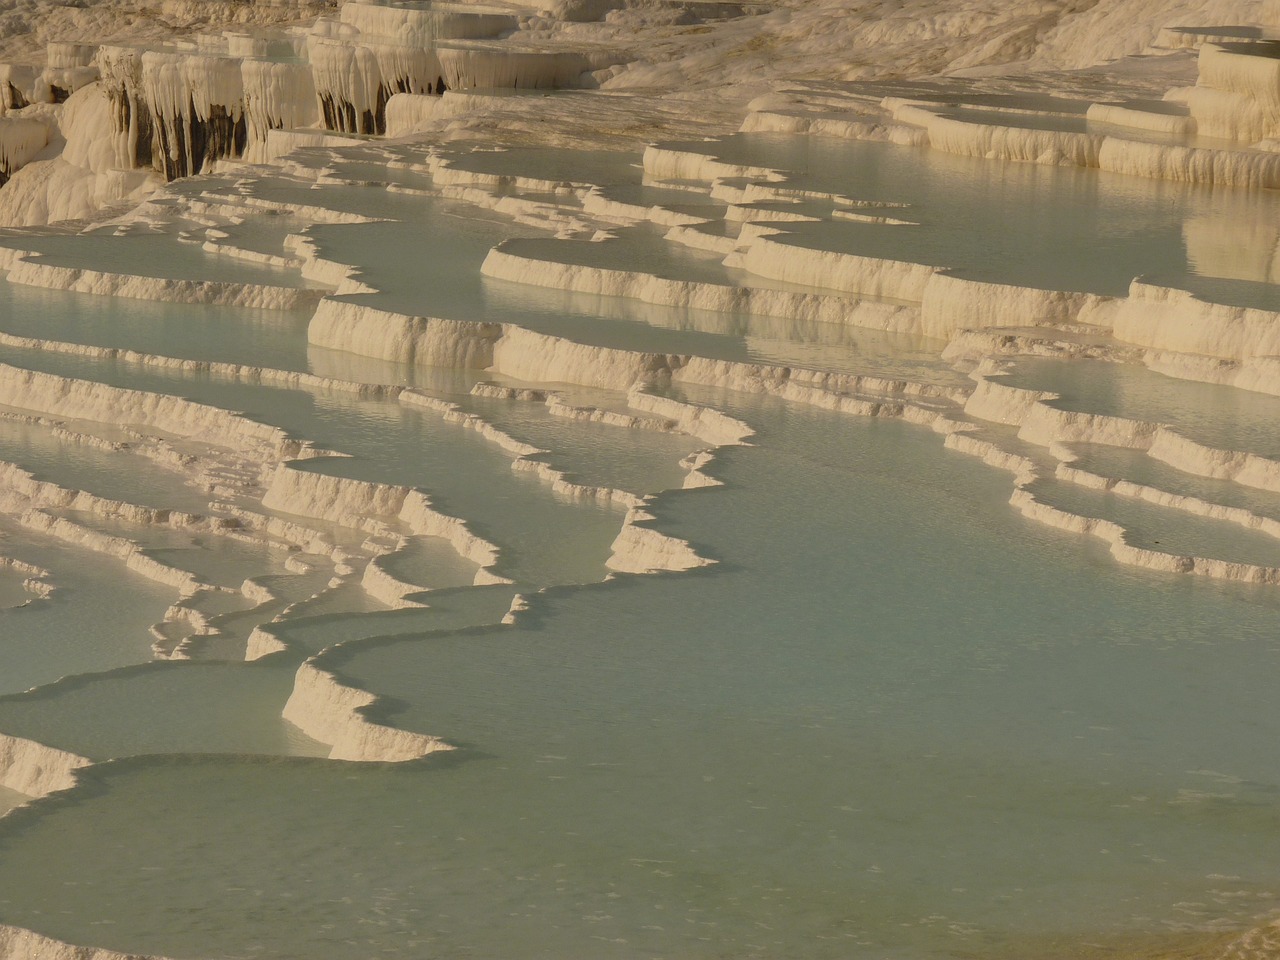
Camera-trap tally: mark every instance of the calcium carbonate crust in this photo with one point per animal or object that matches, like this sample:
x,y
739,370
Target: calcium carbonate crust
x,y
370,72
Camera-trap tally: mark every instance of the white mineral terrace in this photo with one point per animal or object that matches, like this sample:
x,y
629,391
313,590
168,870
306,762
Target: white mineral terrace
x,y
669,478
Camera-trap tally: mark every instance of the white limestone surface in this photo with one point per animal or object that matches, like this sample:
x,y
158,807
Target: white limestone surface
x,y
372,332
333,713
408,113
972,138
359,504
20,140
19,944
706,423
358,71
831,270
469,65
1252,72
1114,535
388,589
277,96
422,26
1122,116
1167,319
187,94
503,264
640,548
348,81
37,273
671,162
1042,423
87,400
35,769
1224,114
82,178
1232,168
36,582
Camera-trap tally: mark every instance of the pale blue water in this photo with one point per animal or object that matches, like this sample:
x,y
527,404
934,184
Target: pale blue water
x,y
895,720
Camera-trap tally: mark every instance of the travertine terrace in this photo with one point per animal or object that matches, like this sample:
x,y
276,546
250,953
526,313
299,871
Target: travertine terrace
x,y
682,478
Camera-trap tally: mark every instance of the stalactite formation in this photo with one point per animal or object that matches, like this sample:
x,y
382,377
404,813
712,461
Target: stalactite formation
x,y
14,99
177,109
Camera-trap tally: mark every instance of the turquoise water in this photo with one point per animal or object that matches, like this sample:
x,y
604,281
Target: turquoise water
x,y
895,719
